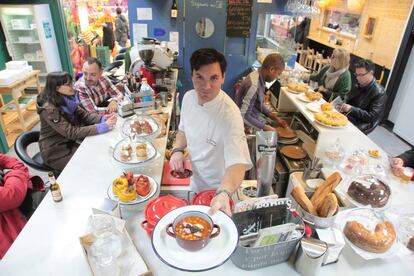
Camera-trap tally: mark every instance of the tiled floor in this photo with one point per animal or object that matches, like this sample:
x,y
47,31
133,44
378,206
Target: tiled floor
x,y
381,136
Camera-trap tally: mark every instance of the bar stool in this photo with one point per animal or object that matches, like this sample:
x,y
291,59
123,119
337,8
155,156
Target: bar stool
x,y
320,62
310,57
303,56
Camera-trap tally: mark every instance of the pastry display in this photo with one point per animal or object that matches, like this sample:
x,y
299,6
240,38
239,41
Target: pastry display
x,y
141,127
326,107
298,87
313,96
410,244
369,190
127,187
323,202
331,118
377,241
141,151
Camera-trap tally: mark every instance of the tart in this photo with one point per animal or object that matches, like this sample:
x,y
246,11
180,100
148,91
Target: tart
x,y
142,184
119,184
331,118
127,194
326,107
313,96
126,155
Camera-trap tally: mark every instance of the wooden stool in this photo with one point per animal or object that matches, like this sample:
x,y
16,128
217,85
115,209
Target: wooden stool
x,y
305,53
299,50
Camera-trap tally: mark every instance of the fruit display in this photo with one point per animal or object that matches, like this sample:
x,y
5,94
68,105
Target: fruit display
x,y
127,187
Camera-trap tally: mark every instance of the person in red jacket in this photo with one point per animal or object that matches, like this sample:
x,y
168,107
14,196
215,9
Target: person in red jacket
x,y
13,190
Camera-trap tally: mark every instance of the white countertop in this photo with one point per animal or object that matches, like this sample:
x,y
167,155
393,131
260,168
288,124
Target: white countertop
x,y
49,244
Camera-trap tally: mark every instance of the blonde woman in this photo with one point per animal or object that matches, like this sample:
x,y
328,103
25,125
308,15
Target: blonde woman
x,y
334,79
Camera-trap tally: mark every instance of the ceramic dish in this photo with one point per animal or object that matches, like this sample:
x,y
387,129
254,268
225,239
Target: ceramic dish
x,y
325,125
285,133
207,258
139,199
151,151
314,107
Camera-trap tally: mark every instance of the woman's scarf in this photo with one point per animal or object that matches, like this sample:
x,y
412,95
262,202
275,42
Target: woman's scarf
x,y
332,76
71,104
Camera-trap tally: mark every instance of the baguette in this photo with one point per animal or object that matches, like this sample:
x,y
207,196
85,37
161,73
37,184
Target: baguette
x,y
327,187
299,195
328,206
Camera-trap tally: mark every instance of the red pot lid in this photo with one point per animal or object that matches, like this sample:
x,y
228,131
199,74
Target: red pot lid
x,y
205,197
158,207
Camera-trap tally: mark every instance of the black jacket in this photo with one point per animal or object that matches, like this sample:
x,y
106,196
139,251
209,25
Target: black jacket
x,y
368,105
408,158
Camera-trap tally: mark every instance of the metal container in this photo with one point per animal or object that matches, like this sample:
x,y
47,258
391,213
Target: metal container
x,y
310,256
266,143
251,258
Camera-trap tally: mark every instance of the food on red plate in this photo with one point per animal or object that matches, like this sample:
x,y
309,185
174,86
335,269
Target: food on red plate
x,y
192,228
143,186
377,241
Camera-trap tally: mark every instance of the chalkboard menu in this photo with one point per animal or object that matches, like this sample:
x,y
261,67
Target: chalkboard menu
x,y
239,16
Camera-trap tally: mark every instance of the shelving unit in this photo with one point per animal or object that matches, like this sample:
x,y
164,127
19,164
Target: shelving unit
x,y
18,116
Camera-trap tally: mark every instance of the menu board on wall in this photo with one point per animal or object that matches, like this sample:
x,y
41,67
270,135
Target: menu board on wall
x,y
239,16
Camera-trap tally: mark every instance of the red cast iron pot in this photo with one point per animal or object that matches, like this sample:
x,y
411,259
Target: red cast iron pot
x,y
157,208
205,197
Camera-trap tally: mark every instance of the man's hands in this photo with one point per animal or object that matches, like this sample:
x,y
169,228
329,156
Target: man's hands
x,y
220,202
112,107
345,108
279,120
177,161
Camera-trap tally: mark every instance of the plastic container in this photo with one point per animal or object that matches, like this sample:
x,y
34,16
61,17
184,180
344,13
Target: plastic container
x,y
146,89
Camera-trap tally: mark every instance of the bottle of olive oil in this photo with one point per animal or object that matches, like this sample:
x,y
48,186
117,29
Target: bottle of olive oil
x,y
174,9
54,188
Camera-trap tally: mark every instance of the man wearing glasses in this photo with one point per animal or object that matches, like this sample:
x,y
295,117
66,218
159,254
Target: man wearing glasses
x,y
366,101
96,92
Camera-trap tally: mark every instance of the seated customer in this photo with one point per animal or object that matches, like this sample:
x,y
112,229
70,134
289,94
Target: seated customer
x,y
63,122
366,102
13,188
334,79
252,92
404,160
96,92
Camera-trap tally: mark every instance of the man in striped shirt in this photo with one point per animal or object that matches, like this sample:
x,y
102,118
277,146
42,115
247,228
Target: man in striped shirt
x,y
96,92
252,90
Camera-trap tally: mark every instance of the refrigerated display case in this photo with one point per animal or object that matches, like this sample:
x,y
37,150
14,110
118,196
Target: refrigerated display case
x,y
30,36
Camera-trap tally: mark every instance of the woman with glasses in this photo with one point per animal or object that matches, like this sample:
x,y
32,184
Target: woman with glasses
x,y
63,123
334,79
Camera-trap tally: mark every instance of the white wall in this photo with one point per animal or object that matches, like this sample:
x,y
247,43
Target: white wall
x,y
402,112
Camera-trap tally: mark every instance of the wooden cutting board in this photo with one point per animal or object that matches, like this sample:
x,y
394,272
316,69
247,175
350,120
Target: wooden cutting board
x,y
169,180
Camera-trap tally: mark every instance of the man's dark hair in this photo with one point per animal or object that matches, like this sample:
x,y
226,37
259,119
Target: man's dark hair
x,y
92,60
365,63
206,56
118,10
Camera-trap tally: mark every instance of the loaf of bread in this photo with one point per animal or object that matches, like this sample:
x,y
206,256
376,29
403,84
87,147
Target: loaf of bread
x,y
299,195
327,187
378,241
328,206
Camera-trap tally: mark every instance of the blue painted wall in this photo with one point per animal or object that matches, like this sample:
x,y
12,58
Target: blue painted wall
x,y
238,63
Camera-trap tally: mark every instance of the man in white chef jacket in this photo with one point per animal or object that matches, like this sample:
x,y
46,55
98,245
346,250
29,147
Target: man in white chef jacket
x,y
211,128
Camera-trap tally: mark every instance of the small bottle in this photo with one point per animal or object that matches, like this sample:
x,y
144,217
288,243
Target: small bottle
x,y
54,188
174,9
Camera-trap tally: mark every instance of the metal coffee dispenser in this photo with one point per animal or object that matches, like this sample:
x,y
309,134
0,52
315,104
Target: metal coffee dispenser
x,y
266,142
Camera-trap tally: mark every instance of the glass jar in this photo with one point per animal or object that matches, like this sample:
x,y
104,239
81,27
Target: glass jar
x,y
335,154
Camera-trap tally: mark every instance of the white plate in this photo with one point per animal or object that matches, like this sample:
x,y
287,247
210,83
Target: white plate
x,y
151,151
139,199
126,129
294,92
216,253
325,125
314,107
303,98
